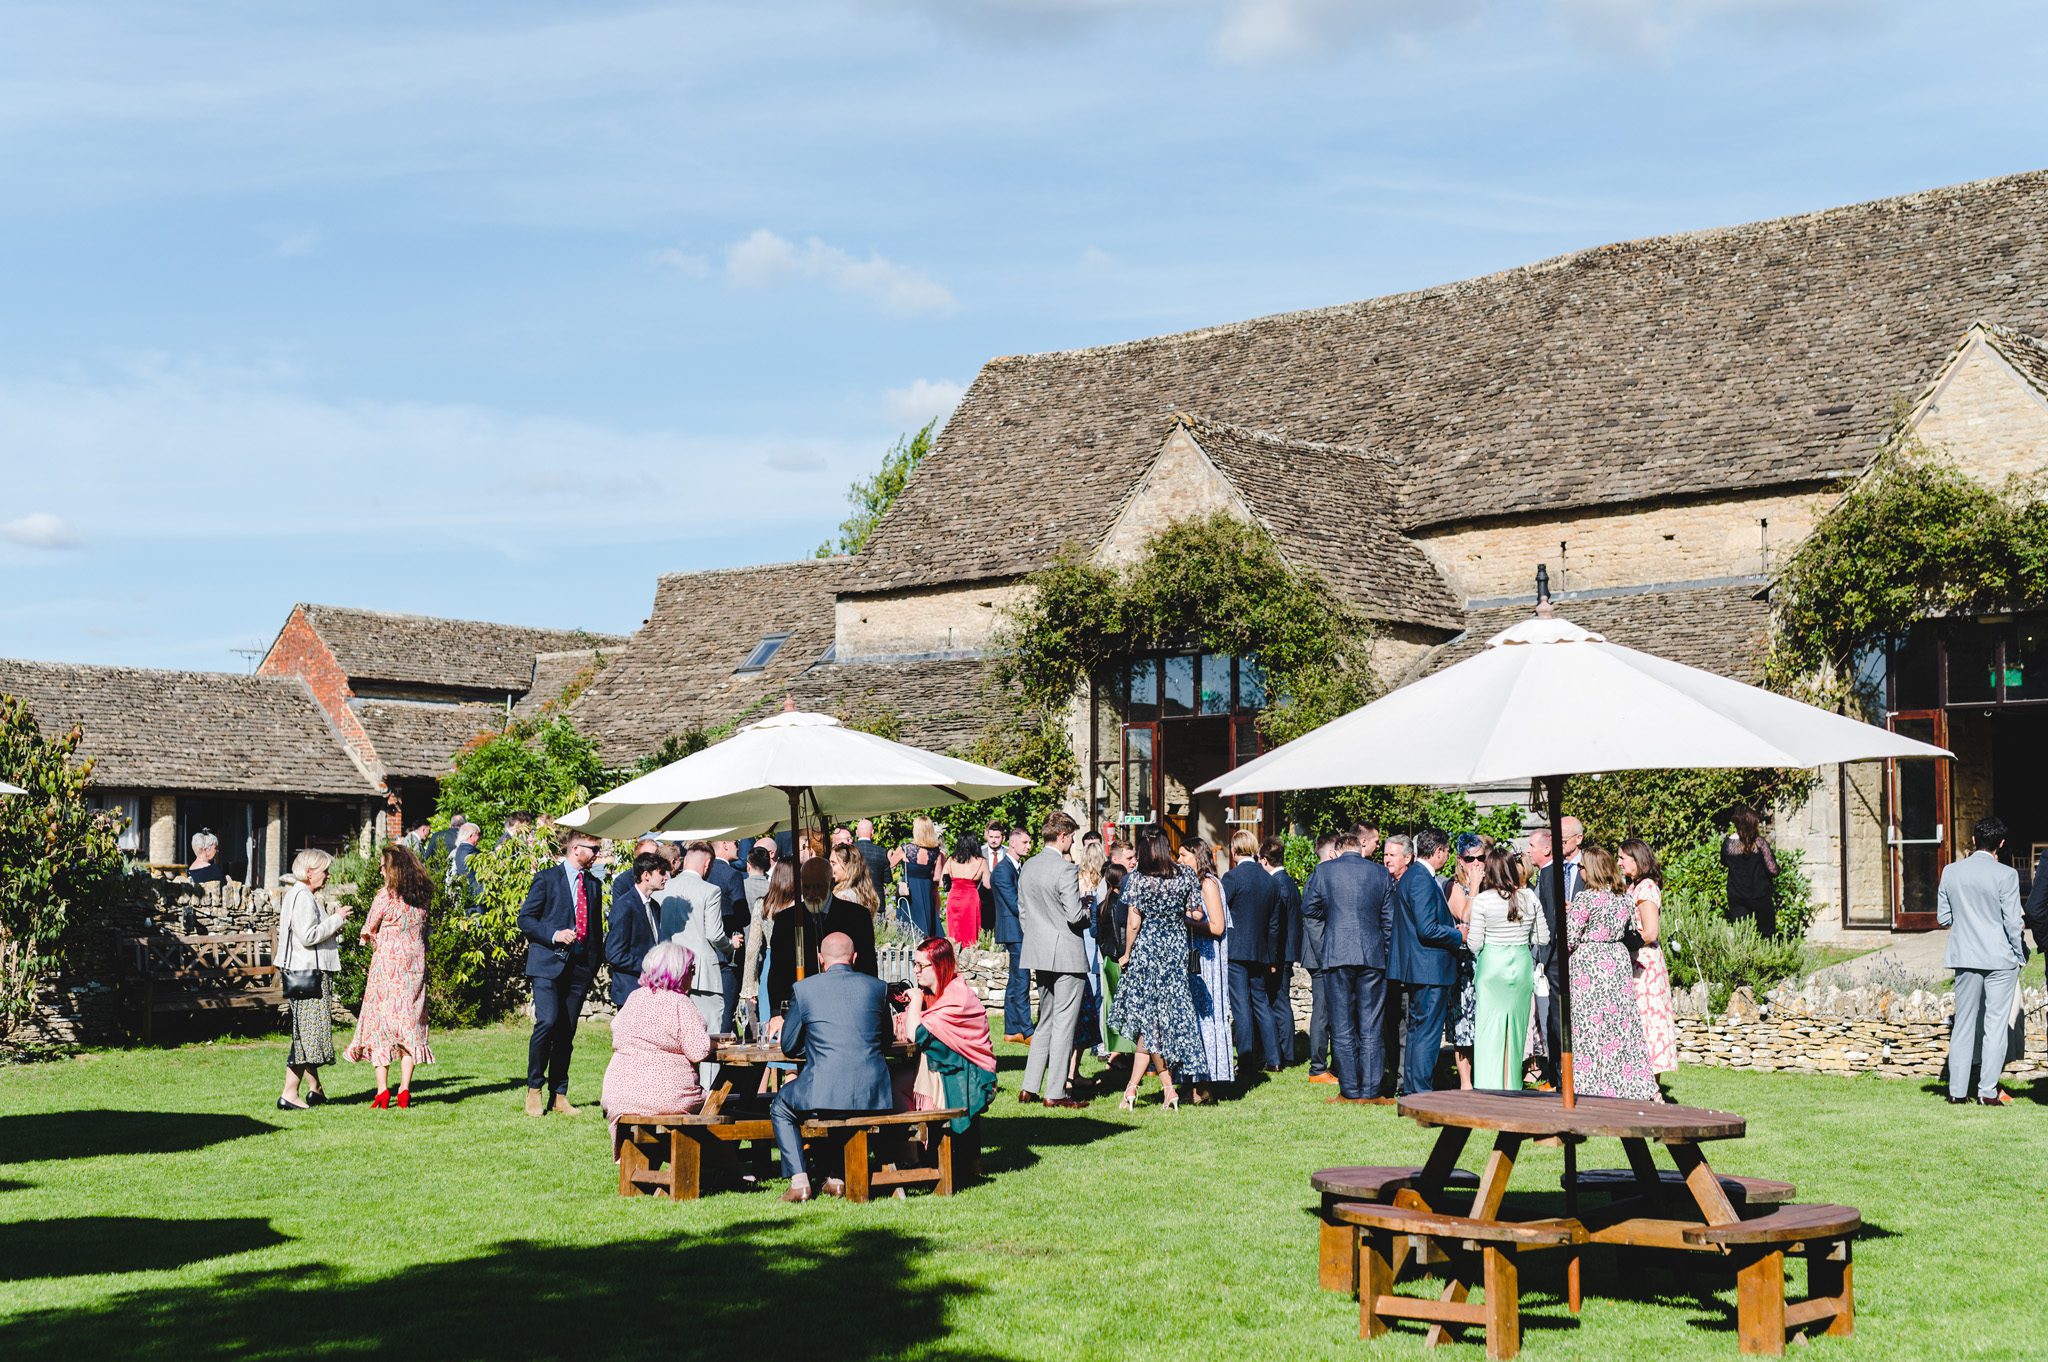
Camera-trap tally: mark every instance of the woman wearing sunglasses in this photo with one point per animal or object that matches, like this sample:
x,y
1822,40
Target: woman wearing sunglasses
x,y
1468,871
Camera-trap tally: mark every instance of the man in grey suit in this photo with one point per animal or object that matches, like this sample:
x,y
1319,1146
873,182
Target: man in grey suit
x,y
1050,912
838,1024
1979,902
693,912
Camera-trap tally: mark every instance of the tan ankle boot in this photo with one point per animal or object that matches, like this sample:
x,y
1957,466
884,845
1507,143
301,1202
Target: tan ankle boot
x,y
561,1106
535,1102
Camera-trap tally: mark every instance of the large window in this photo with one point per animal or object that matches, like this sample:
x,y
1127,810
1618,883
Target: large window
x,y
1949,663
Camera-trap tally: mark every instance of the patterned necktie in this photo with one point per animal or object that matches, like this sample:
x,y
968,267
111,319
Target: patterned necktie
x,y
582,909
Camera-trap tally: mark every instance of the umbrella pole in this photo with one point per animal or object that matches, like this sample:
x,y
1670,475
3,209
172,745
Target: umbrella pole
x,y
1553,794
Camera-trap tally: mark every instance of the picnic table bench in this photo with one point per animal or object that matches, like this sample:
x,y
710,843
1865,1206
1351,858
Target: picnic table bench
x,y
1479,1243
173,972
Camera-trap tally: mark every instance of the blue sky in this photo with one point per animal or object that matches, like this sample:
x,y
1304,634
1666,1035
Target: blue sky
x,y
498,311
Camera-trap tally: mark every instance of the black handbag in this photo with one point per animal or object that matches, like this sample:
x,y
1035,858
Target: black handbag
x,y
300,984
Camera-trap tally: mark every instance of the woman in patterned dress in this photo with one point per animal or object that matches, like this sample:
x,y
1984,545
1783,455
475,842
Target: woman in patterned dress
x,y
1607,1030
308,937
1209,984
393,1017
1152,1005
658,1040
1638,866
1467,870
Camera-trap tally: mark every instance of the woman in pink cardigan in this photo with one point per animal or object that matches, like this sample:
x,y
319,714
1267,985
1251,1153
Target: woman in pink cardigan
x,y
658,1039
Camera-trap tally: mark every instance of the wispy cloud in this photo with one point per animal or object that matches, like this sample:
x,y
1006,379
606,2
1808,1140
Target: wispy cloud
x,y
682,262
41,530
923,400
290,243
765,259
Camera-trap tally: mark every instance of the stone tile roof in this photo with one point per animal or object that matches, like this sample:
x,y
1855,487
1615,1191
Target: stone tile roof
x,y
1718,627
680,670
554,673
1319,504
199,731
941,703
375,645
418,738
2028,354
1744,357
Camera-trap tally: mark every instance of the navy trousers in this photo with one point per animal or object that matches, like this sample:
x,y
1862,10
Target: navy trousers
x,y
1251,1016
1429,1005
1017,995
1319,1024
557,1007
1281,1008
1356,999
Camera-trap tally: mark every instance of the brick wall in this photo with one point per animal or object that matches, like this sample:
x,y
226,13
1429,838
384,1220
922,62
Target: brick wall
x,y
299,651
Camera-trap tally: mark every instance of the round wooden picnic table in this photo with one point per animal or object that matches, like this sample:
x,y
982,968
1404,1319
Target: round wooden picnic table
x,y
1544,1115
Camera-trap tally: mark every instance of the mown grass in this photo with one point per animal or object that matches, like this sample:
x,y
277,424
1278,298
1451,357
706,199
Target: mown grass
x,y
153,1203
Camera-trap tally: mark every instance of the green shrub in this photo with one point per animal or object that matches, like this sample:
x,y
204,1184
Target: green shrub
x,y
1696,876
1700,943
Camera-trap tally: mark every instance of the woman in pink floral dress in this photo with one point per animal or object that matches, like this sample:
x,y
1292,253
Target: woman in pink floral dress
x,y
658,1040
393,1017
1638,866
1609,1059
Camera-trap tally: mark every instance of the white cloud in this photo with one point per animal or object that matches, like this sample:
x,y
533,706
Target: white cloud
x,y
1259,32
764,260
924,399
41,530
797,461
682,262
290,243
1095,260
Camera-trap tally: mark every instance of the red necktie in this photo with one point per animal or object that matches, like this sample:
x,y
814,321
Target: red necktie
x,y
582,909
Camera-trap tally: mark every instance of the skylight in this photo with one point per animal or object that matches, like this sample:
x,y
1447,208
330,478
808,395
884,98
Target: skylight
x,y
757,660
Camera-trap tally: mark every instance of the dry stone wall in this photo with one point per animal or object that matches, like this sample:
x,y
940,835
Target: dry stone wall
x,y
1817,1028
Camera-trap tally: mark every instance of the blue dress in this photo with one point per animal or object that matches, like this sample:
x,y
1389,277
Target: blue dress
x,y
1152,1004
1209,987
917,881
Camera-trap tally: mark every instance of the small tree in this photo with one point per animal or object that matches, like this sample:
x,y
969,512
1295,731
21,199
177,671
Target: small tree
x,y
59,865
872,497
545,768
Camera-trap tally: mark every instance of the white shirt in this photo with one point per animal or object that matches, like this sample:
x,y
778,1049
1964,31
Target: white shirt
x,y
1490,925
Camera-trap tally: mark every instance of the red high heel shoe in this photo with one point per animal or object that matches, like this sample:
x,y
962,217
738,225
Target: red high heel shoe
x,y
382,1099
405,1097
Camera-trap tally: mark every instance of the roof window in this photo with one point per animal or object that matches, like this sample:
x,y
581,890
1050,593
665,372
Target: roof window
x,y
757,660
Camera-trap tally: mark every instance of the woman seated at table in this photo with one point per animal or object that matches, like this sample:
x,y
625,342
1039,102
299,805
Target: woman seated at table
x,y
1502,922
1609,1056
947,1022
658,1040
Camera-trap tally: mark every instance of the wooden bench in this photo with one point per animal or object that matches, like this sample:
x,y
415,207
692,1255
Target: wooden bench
x,y
1336,1242
1477,1251
1820,1234
680,1155
169,972
1743,1191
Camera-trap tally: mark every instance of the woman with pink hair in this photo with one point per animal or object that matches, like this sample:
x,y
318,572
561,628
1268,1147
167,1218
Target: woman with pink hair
x,y
658,1040
948,1024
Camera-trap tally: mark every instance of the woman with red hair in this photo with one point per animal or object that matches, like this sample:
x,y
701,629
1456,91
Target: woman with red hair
x,y
949,1025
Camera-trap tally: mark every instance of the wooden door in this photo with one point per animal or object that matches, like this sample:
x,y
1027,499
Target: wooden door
x,y
1918,831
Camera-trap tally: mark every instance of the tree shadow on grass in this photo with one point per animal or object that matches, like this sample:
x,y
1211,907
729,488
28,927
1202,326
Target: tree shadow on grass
x,y
1012,1142
36,1136
121,1243
761,1288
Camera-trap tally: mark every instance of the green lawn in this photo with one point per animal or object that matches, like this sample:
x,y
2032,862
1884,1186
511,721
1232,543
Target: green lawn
x,y
154,1203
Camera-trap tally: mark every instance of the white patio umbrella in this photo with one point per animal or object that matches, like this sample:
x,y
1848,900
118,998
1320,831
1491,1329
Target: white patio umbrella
x,y
1545,700
757,781
6,789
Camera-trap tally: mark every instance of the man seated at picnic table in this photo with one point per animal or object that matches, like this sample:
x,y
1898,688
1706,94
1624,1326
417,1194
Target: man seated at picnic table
x,y
838,1025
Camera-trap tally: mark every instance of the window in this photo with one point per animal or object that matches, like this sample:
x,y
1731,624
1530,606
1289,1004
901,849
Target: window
x,y
127,811
830,655
757,660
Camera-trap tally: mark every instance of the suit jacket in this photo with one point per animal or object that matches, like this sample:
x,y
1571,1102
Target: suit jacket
x,y
1312,931
623,883
1979,902
2036,913
1349,909
1003,882
878,865
1426,938
630,933
1549,958
693,912
1290,918
838,1023
853,918
1051,914
459,871
1254,931
732,888
550,907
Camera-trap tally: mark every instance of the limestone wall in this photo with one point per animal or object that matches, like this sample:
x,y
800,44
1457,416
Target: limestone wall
x,y
950,619
1992,421
1825,1029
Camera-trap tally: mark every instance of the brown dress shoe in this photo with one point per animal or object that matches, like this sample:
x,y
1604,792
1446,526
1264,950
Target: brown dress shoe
x,y
1029,1098
536,1102
1324,1077
833,1187
561,1106
797,1194
1069,1103
1016,1040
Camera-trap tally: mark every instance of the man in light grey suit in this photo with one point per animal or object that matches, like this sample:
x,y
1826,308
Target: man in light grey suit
x,y
1050,911
1979,902
693,912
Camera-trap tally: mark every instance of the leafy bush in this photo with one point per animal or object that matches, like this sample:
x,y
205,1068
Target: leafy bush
x,y
1700,943
1695,876
545,768
1670,809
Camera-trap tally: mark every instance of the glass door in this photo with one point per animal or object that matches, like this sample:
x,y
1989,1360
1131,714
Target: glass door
x,y
1917,821
1140,773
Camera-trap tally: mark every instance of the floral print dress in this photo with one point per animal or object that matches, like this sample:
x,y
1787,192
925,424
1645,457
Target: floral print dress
x,y
1653,988
1153,1003
1609,1057
394,1011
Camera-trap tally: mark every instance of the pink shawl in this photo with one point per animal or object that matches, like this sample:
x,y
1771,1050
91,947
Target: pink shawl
x,y
958,1018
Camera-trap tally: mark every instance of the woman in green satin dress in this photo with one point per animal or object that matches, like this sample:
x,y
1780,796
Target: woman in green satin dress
x,y
1505,920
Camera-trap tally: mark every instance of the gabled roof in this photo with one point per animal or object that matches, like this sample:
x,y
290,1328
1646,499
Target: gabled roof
x,y
1762,355
199,731
941,703
422,650
681,670
1721,627
419,738
554,673
2027,354
1337,511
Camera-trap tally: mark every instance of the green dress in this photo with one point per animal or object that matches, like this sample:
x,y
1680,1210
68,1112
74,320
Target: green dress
x,y
966,1084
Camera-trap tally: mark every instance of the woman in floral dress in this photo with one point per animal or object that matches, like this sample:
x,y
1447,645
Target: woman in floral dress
x,y
1152,1005
1609,1058
1638,866
393,1017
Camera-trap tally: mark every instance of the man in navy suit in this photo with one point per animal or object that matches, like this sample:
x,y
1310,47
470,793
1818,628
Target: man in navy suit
x,y
1320,1057
1279,984
635,922
1350,902
1253,943
731,880
623,882
838,1024
1425,952
563,923
1009,924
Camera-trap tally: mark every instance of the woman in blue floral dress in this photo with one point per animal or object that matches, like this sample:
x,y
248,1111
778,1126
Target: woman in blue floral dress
x,y
1209,984
1610,1057
1152,1005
